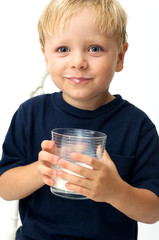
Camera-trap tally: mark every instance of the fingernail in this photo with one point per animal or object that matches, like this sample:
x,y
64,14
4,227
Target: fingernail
x,y
73,155
50,144
55,160
59,173
54,173
52,182
67,184
60,162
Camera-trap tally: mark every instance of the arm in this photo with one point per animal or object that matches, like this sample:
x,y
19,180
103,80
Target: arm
x,y
139,204
20,182
103,184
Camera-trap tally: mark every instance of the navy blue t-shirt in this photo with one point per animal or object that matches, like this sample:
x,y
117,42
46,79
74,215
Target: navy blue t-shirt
x,y
132,142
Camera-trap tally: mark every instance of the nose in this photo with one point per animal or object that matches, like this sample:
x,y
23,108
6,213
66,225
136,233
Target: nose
x,y
78,61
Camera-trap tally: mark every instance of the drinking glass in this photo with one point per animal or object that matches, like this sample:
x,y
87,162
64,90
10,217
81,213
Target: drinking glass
x,y
68,140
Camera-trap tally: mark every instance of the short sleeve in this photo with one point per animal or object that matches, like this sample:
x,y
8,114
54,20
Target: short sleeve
x,y
145,173
14,146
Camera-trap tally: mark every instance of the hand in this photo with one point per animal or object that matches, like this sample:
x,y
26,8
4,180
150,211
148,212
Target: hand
x,y
46,158
100,182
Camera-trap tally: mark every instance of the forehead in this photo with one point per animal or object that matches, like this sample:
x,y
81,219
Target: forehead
x,y
79,28
109,21
87,15
81,18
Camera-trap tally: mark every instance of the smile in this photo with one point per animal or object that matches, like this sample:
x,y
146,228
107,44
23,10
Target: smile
x,y
78,79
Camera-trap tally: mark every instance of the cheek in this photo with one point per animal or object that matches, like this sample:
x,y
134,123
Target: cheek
x,y
56,80
107,70
56,77
56,72
53,67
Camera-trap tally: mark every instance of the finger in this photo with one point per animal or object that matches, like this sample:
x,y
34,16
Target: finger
x,y
45,169
78,189
48,181
74,179
48,145
106,157
88,160
99,152
48,157
83,171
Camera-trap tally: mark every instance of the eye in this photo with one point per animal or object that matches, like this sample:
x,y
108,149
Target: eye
x,y
95,49
62,49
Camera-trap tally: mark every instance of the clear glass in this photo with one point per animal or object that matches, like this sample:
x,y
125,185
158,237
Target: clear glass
x,y
68,140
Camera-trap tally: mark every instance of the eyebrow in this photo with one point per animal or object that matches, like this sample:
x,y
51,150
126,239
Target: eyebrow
x,y
91,41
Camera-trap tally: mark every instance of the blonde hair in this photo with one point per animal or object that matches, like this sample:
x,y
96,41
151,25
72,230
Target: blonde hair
x,y
108,14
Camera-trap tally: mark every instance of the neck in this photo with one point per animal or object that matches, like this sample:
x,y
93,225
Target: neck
x,y
91,104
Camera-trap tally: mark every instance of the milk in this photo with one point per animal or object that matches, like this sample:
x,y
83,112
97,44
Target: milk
x,y
60,183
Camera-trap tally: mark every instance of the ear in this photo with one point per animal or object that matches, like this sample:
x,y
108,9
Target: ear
x,y
121,55
45,57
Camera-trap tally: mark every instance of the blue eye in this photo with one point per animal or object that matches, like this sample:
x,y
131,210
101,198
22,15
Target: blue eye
x,y
95,49
62,49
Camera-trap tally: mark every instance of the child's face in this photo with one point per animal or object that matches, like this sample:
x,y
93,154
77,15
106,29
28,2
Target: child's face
x,y
82,61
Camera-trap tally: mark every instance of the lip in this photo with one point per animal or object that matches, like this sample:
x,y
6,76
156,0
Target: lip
x,y
78,79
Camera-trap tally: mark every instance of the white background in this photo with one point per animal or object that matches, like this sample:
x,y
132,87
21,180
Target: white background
x,y
21,65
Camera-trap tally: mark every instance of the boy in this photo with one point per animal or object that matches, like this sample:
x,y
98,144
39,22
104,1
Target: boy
x,y
84,43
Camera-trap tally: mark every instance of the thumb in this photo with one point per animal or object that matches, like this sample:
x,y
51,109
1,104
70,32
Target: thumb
x,y
108,161
106,157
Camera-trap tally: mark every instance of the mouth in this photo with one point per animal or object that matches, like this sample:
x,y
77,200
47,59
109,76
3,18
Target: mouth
x,y
78,79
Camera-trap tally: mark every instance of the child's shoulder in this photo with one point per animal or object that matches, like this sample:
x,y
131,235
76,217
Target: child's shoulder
x,y
39,101
127,107
37,105
136,115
